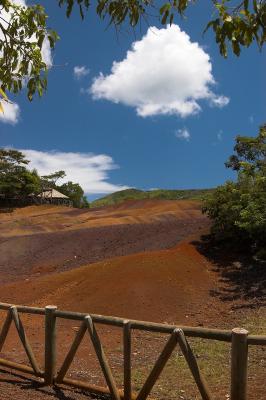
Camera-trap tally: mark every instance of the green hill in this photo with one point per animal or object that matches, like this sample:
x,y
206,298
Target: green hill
x,y
162,194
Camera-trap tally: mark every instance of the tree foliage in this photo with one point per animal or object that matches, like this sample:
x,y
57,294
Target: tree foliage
x,y
22,34
238,209
23,31
237,23
17,181
76,194
49,181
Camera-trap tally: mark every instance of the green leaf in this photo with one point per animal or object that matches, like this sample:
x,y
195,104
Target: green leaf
x,y
81,11
164,19
171,18
236,47
166,7
2,93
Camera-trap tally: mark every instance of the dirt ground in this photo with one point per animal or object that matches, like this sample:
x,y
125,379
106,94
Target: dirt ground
x,y
142,260
29,247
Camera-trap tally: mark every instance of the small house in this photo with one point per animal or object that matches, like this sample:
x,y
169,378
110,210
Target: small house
x,y
52,196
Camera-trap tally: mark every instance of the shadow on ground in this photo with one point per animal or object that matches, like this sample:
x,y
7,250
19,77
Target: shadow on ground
x,y
37,391
241,276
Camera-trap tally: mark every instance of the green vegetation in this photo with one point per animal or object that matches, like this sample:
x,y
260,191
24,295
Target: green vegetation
x,y
75,193
238,209
18,182
23,31
161,194
213,358
15,179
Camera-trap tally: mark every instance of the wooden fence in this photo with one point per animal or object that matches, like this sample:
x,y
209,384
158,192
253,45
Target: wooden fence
x,y
239,338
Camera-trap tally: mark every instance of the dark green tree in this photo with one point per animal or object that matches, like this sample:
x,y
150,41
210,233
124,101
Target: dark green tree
x,y
238,209
76,194
15,179
49,181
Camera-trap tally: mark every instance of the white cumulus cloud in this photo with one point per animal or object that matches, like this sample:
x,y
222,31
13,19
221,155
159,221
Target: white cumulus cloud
x,y
183,134
163,73
10,114
80,71
87,169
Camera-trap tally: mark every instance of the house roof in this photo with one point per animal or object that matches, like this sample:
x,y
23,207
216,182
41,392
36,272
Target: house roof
x,y
52,194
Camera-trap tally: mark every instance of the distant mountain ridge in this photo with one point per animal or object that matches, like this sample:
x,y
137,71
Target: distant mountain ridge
x,y
161,194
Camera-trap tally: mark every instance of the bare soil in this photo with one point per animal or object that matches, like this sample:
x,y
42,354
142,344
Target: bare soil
x,y
32,255
142,260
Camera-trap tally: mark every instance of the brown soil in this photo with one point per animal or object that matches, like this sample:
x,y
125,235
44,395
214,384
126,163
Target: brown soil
x,y
150,268
34,219
158,286
27,254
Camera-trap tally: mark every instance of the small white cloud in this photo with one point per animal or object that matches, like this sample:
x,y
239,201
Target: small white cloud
x,y
10,114
164,73
220,135
219,101
251,119
80,72
87,169
183,134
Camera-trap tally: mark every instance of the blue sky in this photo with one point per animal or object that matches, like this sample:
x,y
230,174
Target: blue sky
x,y
133,127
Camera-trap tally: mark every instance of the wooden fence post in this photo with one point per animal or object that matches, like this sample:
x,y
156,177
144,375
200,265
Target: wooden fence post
x,y
50,344
127,359
239,364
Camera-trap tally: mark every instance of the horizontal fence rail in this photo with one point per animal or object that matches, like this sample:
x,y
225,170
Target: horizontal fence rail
x,y
238,337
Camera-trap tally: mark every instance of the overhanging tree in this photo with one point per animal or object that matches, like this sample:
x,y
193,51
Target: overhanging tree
x,y
22,34
24,29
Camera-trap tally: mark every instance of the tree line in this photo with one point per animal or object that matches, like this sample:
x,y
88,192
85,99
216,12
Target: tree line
x,y
18,181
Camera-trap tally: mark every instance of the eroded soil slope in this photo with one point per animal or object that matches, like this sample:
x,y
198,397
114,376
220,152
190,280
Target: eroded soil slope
x,y
139,260
39,240
36,219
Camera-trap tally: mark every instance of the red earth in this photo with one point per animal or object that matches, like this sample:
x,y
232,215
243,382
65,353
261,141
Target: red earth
x,y
140,260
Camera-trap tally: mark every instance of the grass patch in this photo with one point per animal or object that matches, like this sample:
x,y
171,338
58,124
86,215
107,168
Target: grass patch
x,y
213,357
161,194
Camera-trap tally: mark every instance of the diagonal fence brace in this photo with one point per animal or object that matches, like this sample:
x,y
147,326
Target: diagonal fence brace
x,y
24,340
159,365
5,329
102,358
193,366
72,351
